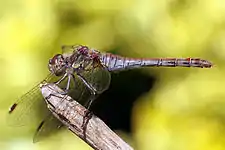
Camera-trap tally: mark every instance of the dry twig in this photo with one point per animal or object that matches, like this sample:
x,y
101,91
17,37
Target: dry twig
x,y
80,121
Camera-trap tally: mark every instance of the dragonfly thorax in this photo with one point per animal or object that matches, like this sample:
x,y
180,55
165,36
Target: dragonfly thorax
x,y
69,63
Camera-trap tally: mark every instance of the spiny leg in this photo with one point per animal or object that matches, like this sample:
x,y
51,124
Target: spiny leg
x,y
94,92
87,116
90,87
67,86
90,101
68,82
60,80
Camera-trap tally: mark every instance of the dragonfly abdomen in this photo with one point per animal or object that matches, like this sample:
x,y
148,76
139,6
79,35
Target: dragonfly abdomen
x,y
118,63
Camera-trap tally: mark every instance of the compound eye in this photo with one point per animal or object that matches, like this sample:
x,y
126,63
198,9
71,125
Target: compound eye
x,y
57,65
55,59
50,61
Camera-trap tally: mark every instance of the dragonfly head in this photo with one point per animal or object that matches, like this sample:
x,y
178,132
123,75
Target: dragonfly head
x,y
57,65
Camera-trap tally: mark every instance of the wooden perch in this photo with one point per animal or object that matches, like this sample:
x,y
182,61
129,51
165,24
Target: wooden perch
x,y
81,121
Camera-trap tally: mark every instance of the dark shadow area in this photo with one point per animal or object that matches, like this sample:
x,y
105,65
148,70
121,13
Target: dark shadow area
x,y
114,106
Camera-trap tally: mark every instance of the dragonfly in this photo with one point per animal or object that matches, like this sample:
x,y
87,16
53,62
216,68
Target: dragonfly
x,y
84,73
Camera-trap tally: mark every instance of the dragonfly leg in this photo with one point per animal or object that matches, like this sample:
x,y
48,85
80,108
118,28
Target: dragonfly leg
x,y
89,102
87,116
94,92
67,85
60,80
90,87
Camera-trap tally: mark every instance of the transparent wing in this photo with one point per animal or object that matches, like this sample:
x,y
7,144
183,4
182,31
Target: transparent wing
x,y
46,128
67,49
29,108
97,77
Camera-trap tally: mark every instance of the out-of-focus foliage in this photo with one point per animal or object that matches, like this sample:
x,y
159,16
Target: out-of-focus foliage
x,y
188,108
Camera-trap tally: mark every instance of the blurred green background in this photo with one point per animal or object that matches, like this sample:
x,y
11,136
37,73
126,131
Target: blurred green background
x,y
185,110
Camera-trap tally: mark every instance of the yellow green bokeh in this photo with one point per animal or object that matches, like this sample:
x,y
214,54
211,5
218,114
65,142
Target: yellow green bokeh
x,y
188,108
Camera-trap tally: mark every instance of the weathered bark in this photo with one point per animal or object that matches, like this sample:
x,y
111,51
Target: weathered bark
x,y
80,121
